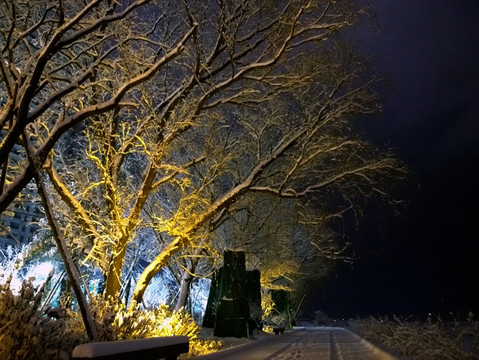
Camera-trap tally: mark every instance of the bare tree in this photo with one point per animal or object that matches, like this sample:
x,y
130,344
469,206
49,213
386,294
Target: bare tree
x,y
276,241
289,156
56,66
184,112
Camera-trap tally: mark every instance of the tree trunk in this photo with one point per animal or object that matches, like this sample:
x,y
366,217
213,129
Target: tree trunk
x,y
188,276
152,269
184,289
61,244
113,276
73,274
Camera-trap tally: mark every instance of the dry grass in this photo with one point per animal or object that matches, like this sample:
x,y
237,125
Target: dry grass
x,y
434,339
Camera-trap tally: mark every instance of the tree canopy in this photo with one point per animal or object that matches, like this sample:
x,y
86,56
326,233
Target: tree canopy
x,y
159,118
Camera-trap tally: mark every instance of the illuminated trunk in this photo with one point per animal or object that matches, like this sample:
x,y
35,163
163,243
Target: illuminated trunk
x,y
113,276
153,268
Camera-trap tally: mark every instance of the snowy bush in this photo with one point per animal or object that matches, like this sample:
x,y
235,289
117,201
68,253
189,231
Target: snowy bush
x,y
28,331
31,329
115,322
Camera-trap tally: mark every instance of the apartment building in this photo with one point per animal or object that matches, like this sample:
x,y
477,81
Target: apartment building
x,y
19,223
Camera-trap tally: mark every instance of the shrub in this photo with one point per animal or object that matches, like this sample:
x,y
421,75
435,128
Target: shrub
x,y
28,332
115,322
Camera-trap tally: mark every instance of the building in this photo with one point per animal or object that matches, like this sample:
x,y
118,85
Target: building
x,y
19,223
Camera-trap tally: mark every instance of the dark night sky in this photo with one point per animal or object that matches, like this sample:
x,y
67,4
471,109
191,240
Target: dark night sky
x,y
426,259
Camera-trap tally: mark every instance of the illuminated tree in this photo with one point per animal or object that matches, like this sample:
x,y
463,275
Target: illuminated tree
x,y
159,117
55,59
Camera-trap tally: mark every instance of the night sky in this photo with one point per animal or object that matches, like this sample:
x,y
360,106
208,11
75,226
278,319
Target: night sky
x,y
426,259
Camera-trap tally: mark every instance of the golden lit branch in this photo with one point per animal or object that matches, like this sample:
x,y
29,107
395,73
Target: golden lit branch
x,y
24,115
190,119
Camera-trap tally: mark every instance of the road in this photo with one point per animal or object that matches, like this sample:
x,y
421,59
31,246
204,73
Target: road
x,y
328,343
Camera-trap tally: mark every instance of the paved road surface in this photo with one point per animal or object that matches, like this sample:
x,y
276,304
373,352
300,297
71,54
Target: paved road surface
x,y
319,343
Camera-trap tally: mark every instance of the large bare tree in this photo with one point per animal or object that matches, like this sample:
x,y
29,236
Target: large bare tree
x,y
184,107
60,65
